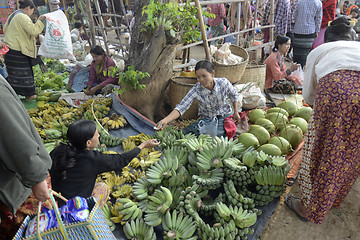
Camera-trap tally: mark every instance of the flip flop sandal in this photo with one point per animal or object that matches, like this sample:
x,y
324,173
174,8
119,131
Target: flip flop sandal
x,y
292,180
292,207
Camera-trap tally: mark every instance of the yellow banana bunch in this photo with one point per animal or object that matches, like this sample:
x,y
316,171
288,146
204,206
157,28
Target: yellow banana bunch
x,y
114,182
128,145
135,162
125,191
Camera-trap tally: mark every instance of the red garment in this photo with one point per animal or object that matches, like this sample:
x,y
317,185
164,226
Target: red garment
x,y
220,13
329,11
229,126
94,79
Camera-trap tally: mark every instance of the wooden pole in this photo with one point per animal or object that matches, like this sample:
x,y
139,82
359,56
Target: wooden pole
x,y
126,20
91,22
101,20
238,5
203,32
116,22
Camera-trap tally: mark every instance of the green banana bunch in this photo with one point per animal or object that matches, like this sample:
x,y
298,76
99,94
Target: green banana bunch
x,y
109,140
211,179
223,211
137,229
162,169
226,231
179,152
160,200
141,188
249,158
178,226
279,161
209,205
197,144
128,209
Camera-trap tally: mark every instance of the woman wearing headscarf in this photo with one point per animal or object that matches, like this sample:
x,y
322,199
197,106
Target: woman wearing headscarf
x,y
331,153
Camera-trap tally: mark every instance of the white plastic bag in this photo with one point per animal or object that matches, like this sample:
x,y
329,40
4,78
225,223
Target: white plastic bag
x,y
208,127
299,76
252,96
57,43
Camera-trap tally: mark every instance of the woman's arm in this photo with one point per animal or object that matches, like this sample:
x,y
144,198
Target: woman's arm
x,y
30,27
163,122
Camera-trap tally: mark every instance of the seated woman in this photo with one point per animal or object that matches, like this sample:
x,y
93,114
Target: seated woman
x,y
278,79
76,165
212,95
101,62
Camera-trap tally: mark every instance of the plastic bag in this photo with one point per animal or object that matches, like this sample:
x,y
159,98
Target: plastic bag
x,y
57,43
252,95
209,127
298,76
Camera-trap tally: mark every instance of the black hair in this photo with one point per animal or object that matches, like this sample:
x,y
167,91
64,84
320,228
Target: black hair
x,y
26,3
78,25
97,50
280,40
346,2
205,64
63,156
339,29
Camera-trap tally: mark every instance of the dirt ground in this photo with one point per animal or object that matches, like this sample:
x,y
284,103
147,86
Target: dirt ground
x,y
340,224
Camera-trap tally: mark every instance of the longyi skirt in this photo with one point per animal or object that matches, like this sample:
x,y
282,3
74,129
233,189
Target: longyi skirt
x,y
20,74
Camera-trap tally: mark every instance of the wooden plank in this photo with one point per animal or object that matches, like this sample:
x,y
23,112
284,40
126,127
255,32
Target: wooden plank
x,y
203,32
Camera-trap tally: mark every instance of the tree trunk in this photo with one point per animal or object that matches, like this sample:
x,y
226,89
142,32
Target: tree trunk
x,y
154,54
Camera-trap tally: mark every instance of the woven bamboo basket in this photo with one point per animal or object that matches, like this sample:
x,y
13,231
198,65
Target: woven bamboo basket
x,y
233,72
254,72
179,87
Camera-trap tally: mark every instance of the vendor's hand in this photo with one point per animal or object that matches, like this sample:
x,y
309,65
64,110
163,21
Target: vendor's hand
x,y
160,125
93,90
294,66
149,144
42,18
41,191
236,117
86,91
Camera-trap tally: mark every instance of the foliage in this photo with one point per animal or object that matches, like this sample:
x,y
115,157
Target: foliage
x,y
71,13
130,77
174,18
51,79
54,65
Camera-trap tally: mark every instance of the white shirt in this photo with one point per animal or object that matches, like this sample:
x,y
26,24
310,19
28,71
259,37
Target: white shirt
x,y
328,58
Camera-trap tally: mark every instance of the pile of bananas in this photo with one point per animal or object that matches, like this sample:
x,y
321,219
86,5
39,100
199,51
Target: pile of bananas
x,y
159,203
128,209
236,171
227,231
114,122
178,226
190,201
139,230
180,152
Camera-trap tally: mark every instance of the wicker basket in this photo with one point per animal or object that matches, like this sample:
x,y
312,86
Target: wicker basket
x,y
254,72
179,87
233,72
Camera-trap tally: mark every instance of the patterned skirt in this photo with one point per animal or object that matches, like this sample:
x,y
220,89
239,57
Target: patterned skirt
x,y
331,154
20,74
302,45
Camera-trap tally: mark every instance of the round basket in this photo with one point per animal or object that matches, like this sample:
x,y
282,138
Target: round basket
x,y
179,87
233,72
254,72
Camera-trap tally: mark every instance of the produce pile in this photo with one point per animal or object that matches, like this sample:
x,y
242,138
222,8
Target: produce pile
x,y
201,187
272,132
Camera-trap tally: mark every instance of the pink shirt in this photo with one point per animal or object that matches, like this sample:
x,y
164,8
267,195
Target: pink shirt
x,y
275,69
94,79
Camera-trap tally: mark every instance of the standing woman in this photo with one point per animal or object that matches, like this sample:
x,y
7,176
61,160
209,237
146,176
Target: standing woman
x,y
20,36
331,153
